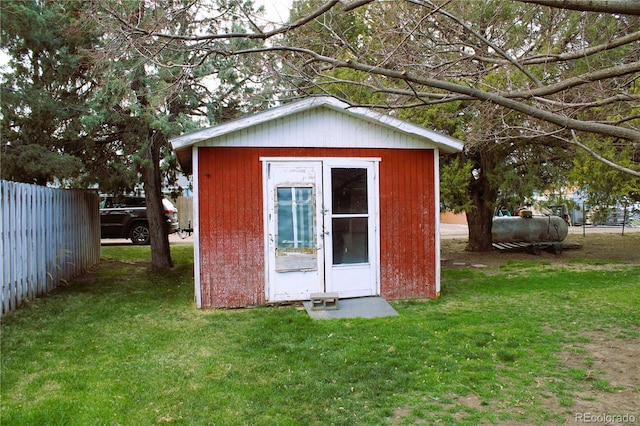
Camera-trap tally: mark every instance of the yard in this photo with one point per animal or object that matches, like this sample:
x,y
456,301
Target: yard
x,y
525,340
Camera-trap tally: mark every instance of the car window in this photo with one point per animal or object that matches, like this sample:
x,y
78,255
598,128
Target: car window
x,y
135,202
106,203
121,202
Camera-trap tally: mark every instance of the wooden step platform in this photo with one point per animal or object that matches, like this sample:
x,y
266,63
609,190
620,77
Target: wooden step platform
x,y
536,247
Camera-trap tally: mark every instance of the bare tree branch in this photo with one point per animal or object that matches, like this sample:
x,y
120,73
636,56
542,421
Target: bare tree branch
x,y
502,52
568,56
627,7
538,94
594,104
569,83
583,53
259,34
496,98
442,73
355,4
599,157
134,29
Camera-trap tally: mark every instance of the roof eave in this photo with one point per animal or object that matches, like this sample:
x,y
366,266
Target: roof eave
x,y
183,144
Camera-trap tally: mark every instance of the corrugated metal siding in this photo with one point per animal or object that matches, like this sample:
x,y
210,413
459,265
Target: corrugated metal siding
x,y
232,228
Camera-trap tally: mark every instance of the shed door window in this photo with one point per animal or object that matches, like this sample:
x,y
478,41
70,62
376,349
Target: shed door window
x,y
350,215
296,245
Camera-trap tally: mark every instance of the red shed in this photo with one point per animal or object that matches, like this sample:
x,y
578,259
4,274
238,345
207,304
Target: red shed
x,y
314,196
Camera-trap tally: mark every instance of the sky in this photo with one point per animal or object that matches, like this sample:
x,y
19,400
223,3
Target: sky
x,y
276,10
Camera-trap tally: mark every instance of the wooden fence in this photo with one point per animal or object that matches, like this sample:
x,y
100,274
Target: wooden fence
x,y
48,236
185,211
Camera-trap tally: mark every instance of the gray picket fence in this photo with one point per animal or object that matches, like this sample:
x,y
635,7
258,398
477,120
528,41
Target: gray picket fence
x,y
49,236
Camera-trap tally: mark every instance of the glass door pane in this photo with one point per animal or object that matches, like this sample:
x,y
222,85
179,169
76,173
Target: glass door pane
x,y
349,191
350,215
295,245
350,240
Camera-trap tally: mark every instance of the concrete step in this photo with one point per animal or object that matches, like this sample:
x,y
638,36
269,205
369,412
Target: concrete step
x,y
324,301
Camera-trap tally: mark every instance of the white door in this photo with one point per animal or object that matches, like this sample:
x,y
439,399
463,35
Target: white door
x,y
321,228
295,242
351,223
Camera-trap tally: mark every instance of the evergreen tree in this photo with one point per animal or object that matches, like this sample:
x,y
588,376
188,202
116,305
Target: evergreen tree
x,y
103,104
44,91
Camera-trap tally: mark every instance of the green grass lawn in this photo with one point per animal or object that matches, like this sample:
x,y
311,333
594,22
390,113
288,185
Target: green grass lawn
x,y
125,346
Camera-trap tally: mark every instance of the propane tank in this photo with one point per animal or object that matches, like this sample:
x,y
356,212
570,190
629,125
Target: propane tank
x,y
528,229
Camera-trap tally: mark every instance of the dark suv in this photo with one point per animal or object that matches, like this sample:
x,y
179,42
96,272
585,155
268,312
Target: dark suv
x,y
126,217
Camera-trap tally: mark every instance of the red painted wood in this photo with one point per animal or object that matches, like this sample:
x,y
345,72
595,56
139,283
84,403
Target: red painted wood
x,y
407,222
231,231
232,263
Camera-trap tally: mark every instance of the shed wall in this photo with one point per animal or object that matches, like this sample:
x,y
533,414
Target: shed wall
x,y
408,231
232,264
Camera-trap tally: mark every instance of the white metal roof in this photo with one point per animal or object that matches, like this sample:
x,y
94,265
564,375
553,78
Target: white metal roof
x,y
207,136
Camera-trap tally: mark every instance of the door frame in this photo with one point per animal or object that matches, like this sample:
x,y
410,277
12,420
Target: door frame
x,y
349,273
372,164
292,283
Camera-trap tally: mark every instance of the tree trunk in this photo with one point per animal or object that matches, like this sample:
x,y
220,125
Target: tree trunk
x,y
480,216
159,238
479,221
